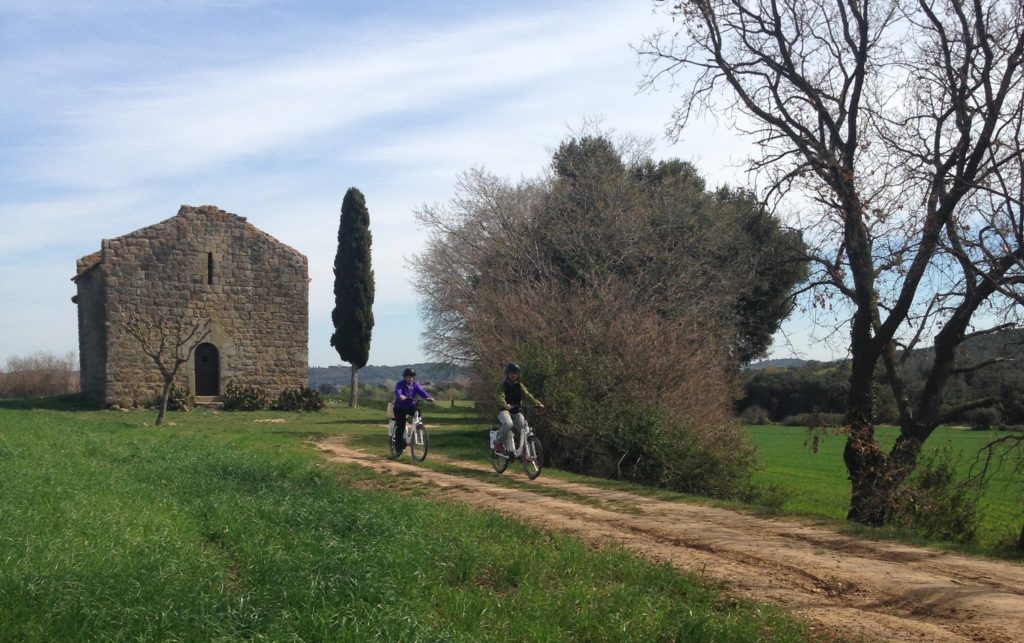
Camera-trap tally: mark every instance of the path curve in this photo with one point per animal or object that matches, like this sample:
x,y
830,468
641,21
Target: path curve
x,y
842,585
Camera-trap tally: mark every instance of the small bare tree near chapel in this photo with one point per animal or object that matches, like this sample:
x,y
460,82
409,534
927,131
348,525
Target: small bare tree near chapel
x,y
168,338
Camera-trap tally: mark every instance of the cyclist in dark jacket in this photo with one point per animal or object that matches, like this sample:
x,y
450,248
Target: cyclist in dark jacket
x,y
511,393
406,390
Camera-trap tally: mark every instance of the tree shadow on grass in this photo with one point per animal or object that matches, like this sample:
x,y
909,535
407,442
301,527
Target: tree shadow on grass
x,y
73,402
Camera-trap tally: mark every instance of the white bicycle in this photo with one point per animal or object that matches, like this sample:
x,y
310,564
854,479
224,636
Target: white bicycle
x,y
416,437
529,450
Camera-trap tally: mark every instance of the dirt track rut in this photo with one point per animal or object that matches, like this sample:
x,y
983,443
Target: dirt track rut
x,y
842,585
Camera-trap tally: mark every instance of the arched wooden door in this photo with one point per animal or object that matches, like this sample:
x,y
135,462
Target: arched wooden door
x,y
207,370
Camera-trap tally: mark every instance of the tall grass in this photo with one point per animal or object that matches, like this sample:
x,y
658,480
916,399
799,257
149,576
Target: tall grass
x,y
219,528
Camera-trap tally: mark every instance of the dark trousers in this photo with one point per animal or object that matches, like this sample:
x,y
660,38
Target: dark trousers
x,y
400,417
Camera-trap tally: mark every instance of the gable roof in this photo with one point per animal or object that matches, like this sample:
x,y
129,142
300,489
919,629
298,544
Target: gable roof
x,y
91,261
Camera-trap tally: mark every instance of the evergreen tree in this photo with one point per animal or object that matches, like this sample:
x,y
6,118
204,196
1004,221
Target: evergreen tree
x,y
353,287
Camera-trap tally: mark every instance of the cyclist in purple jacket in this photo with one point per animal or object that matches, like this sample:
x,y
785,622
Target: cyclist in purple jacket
x,y
406,390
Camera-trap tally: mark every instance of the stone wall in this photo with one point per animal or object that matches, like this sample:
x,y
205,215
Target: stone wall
x,y
257,303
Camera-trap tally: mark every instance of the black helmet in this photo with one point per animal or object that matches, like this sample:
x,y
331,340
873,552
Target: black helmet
x,y
407,372
512,367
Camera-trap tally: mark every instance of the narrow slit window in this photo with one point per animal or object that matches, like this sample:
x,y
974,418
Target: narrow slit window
x,y
209,267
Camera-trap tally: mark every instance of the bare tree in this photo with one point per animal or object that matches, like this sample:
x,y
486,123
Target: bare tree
x,y
891,130
168,338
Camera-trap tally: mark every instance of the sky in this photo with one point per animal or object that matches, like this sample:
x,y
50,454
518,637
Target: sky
x,y
113,114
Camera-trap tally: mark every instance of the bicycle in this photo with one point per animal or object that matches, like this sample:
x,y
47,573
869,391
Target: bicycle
x,y
416,437
529,450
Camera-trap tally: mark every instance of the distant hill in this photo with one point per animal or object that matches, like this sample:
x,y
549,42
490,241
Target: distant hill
x,y
426,373
776,363
785,388
1004,343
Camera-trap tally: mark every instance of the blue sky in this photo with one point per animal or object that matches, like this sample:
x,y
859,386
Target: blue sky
x,y
113,114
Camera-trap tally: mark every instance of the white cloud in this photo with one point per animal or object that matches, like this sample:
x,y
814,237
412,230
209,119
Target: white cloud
x,y
202,118
77,222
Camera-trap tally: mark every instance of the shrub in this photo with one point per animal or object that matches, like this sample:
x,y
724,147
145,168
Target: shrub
x,y
179,399
39,375
302,398
814,420
770,496
755,415
327,389
935,504
628,440
243,397
629,294
983,419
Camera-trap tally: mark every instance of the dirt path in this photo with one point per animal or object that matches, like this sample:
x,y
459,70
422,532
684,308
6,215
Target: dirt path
x,y
843,586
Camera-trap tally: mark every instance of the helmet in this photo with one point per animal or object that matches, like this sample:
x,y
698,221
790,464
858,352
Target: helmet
x,y
407,372
512,367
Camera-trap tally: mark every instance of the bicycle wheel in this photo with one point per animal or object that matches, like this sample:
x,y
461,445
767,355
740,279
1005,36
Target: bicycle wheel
x,y
533,457
419,442
500,463
392,452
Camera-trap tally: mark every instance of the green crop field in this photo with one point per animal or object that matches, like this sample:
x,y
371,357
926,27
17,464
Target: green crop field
x,y
223,527
816,483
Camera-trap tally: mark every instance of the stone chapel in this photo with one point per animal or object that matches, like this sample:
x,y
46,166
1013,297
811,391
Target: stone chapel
x,y
253,290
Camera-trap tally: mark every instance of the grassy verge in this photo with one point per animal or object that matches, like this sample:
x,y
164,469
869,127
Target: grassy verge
x,y
224,527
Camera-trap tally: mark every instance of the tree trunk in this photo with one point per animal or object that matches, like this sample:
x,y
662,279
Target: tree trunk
x,y
165,395
865,461
875,477
353,398
868,468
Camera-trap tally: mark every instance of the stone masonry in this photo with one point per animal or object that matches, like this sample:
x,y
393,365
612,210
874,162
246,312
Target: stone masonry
x,y
203,262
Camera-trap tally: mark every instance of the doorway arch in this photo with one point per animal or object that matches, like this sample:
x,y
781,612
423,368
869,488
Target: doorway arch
x,y
207,359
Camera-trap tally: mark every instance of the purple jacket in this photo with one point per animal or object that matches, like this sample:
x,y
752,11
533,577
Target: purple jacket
x,y
410,391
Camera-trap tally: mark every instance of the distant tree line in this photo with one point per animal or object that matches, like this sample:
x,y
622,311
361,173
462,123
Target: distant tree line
x,y
822,389
434,372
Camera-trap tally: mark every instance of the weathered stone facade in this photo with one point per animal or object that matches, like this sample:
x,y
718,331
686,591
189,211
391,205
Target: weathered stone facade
x,y
253,290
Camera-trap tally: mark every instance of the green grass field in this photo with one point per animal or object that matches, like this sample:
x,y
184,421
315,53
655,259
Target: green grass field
x,y
816,483
220,527
223,527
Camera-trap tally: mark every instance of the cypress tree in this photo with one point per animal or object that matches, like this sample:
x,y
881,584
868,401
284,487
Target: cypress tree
x,y
353,287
